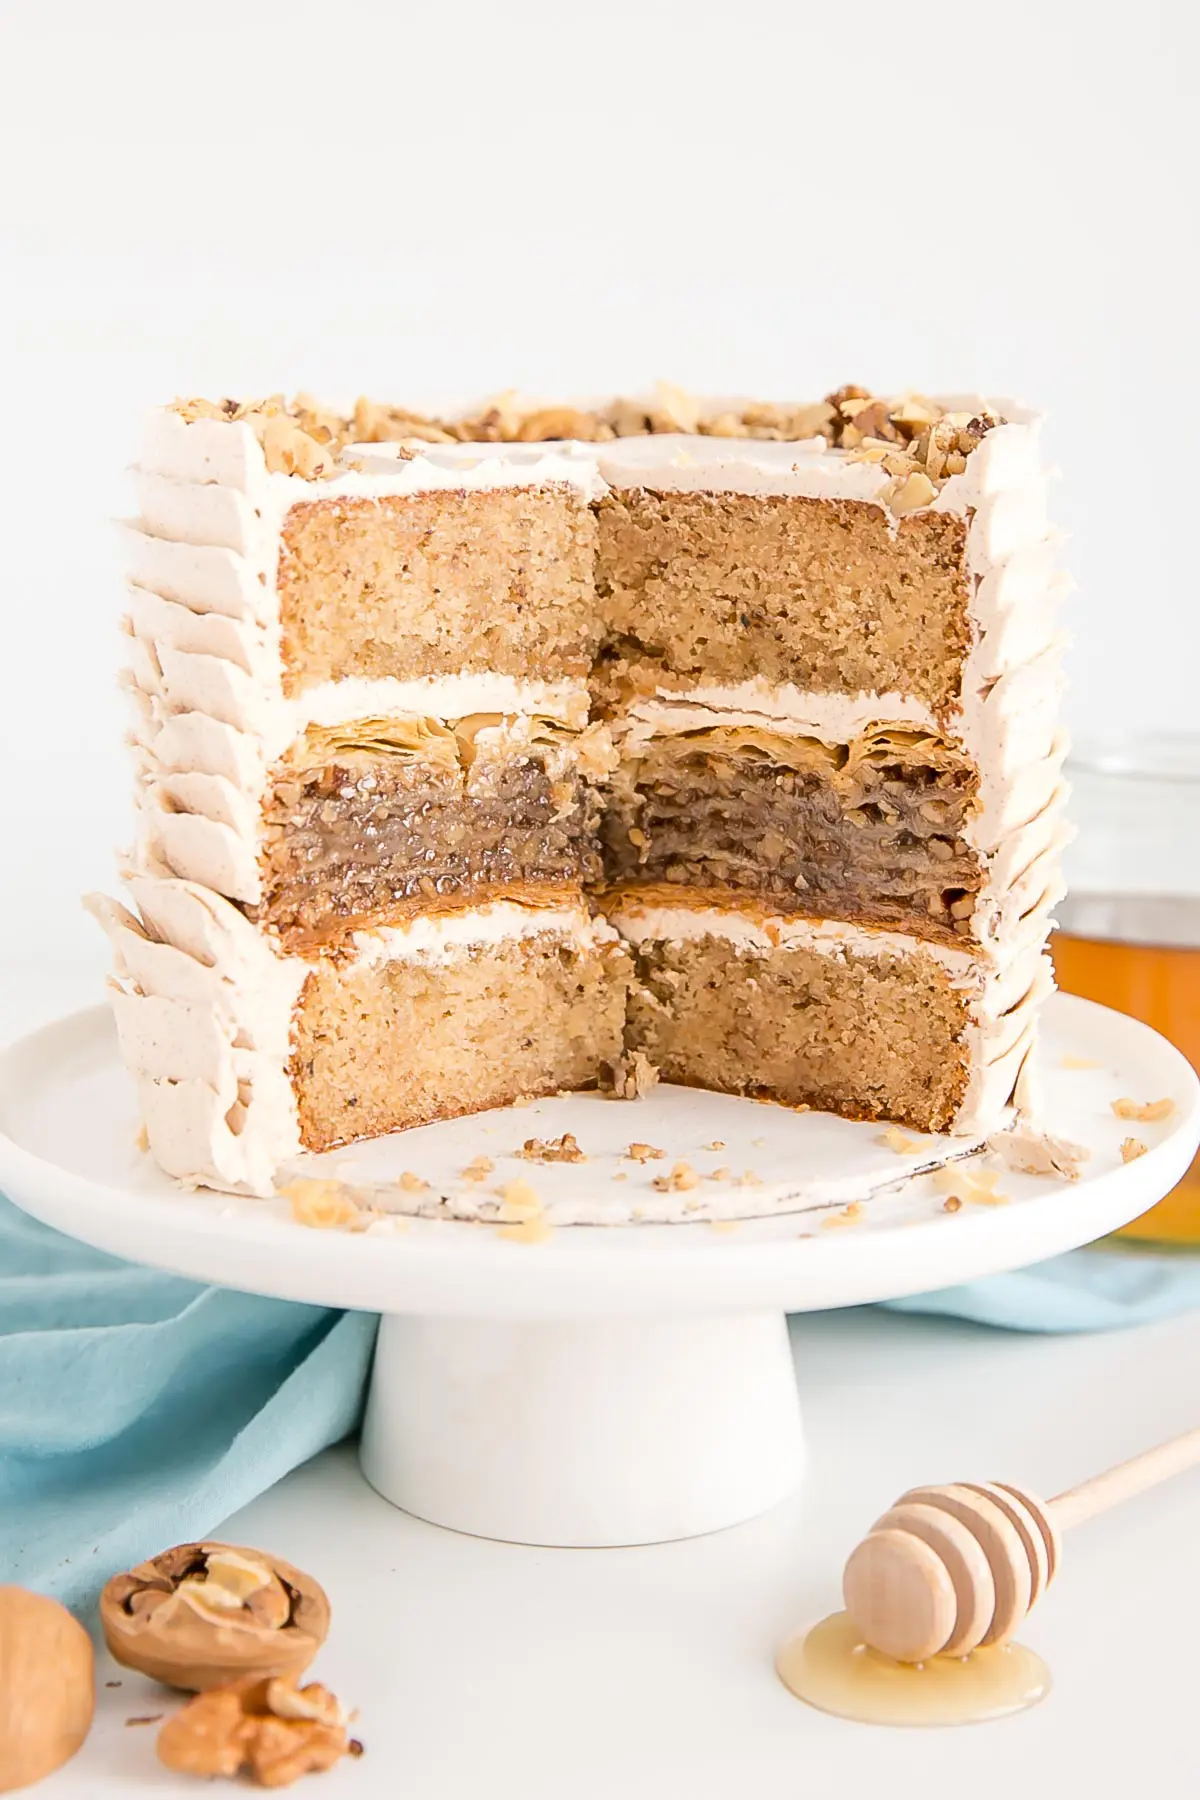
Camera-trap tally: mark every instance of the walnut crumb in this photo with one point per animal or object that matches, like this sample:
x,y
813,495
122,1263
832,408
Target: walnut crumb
x,y
562,1149
717,1144
620,1175
1150,1112
749,1179
975,1185
519,1200
849,1215
270,1730
895,1139
323,1205
722,1174
479,1169
1132,1148
642,1153
682,1178
1031,1152
630,1077
952,1204
412,1184
533,1230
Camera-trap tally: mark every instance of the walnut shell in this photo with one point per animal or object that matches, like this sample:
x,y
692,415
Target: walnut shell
x,y
47,1687
201,1615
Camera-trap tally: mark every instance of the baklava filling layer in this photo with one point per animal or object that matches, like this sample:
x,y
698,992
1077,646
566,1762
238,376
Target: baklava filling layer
x,y
366,825
870,832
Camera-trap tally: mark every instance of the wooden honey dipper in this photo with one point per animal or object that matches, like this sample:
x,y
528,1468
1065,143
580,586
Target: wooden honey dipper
x,y
949,1569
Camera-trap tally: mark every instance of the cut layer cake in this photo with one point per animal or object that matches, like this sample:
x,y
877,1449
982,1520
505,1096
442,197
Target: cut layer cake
x,y
503,754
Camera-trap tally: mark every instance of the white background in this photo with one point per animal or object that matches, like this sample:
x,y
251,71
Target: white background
x,y
433,202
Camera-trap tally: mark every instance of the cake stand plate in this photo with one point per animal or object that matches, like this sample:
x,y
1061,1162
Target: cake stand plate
x,y
597,1386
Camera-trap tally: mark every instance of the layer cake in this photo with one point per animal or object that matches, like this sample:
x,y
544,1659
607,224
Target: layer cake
x,y
479,755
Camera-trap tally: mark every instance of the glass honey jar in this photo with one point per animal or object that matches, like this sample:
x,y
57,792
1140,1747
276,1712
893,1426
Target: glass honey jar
x,y
1129,931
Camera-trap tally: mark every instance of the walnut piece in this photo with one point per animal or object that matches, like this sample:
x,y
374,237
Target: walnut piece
x,y
269,1729
1031,1152
323,1205
564,1149
1149,1111
630,1077
681,1180
201,1615
47,1687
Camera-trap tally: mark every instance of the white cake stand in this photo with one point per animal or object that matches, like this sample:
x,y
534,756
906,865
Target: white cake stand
x,y
606,1386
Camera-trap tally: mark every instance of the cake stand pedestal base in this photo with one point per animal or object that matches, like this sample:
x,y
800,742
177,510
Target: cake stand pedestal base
x,y
584,1433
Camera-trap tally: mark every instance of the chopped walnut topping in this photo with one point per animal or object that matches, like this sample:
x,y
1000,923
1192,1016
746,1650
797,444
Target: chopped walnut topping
x,y
680,1180
297,438
1149,1111
641,1153
562,1149
721,1174
412,1183
372,424
749,1179
952,1204
324,1205
272,1731
479,1169
908,493
895,1139
912,432
1132,1148
717,1144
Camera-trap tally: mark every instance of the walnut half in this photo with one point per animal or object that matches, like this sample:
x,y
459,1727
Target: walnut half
x,y
201,1615
271,1730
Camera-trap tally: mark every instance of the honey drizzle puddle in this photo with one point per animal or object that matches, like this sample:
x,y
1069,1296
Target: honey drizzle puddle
x,y
832,1669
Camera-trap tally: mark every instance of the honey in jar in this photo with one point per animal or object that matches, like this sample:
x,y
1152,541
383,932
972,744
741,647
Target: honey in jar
x,y
1129,931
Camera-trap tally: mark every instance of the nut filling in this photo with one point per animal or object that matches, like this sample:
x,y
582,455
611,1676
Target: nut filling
x,y
870,832
406,815
200,1615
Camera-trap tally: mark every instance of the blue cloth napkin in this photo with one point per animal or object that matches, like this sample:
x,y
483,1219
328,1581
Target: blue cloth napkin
x,y
138,1410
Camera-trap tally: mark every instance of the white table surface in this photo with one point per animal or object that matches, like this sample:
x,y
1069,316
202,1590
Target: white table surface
x,y
491,1670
